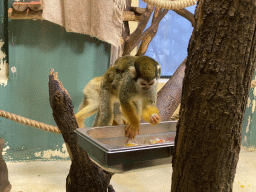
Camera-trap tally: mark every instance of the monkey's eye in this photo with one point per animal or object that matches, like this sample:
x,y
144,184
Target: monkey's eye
x,y
151,83
143,84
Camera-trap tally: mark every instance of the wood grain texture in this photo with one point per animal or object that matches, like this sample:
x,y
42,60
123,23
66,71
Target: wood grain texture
x,y
84,175
219,69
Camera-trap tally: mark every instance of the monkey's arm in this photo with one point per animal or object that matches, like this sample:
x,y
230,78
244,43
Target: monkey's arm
x,y
150,112
129,111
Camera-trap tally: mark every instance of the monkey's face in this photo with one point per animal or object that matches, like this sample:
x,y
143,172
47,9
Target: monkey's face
x,y
145,85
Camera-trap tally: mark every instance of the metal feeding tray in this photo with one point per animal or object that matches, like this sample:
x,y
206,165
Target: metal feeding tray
x,y
106,146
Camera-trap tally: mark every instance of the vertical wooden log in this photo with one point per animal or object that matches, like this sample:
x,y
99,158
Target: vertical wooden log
x,y
83,175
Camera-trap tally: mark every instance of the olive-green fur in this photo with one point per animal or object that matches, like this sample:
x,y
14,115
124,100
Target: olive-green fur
x,y
147,67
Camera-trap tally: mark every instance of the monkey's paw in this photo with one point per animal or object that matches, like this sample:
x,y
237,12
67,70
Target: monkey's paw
x,y
132,130
155,119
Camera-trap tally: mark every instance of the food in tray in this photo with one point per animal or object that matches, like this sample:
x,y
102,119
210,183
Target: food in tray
x,y
156,140
169,139
132,143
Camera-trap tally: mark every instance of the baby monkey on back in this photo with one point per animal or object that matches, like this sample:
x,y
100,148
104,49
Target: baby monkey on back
x,y
132,82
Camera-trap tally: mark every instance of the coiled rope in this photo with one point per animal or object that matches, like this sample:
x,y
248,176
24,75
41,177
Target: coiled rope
x,y
168,4
29,122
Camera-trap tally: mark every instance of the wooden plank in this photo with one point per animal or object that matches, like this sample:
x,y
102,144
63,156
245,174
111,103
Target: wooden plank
x,y
23,6
28,14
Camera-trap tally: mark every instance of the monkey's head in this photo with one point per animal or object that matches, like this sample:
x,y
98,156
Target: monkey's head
x,y
145,72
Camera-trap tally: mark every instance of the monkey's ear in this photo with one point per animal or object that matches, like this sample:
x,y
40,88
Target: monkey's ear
x,y
133,71
158,71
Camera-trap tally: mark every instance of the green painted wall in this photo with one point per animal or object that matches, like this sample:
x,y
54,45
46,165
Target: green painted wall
x,y
249,123
34,48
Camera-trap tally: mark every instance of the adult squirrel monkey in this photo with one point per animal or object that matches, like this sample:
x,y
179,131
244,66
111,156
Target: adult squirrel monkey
x,y
132,82
90,103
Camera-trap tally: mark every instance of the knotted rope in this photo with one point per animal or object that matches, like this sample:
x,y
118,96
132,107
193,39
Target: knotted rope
x,y
168,4
29,122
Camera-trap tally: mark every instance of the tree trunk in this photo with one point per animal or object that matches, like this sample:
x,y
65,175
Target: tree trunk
x,y
5,185
219,69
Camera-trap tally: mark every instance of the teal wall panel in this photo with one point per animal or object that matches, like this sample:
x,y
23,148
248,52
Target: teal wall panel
x,y
34,48
249,122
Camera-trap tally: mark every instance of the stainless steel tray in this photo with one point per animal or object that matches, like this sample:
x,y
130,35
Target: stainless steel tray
x,y
106,146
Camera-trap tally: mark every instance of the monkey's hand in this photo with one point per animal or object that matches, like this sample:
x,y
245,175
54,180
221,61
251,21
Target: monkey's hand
x,y
151,115
132,130
155,119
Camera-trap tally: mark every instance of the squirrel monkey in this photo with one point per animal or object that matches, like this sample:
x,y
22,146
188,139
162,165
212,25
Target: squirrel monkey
x,y
90,102
132,82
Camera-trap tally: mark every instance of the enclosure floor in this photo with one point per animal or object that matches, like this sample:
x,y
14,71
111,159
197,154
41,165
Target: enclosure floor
x,y
50,176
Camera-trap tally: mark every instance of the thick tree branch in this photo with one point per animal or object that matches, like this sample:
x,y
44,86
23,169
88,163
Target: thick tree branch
x,y
168,98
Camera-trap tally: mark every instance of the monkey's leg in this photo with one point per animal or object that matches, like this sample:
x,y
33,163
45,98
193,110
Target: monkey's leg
x,y
86,112
105,112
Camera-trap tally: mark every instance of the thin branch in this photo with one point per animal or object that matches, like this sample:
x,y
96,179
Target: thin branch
x,y
129,41
146,40
187,14
143,35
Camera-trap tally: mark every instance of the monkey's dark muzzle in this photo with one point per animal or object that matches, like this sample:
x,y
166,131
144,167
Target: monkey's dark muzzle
x,y
146,88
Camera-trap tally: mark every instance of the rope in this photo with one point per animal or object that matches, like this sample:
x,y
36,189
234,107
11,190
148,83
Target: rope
x,y
168,4
29,122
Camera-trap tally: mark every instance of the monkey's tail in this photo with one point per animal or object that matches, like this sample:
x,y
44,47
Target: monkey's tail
x,y
86,112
